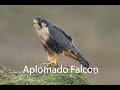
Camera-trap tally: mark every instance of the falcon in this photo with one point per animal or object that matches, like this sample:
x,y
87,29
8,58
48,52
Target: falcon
x,y
56,42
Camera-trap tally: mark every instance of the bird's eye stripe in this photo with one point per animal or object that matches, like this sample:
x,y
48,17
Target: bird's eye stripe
x,y
36,21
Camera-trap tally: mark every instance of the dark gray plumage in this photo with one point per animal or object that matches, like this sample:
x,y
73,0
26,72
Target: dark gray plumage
x,y
58,41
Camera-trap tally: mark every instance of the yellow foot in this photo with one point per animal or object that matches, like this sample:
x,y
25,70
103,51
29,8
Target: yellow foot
x,y
53,61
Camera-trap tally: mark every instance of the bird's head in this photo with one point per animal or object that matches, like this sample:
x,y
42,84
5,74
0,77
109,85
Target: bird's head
x,y
39,22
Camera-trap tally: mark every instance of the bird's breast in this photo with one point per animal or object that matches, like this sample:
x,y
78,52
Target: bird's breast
x,y
43,35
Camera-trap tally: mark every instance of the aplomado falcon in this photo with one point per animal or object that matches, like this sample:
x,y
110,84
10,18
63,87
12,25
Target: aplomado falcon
x,y
56,42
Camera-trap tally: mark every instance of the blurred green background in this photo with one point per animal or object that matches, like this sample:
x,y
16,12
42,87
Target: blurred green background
x,y
95,30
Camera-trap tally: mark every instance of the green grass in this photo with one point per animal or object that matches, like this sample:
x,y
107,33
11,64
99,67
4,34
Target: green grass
x,y
8,77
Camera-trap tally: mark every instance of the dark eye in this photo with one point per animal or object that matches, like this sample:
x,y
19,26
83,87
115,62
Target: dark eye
x,y
38,20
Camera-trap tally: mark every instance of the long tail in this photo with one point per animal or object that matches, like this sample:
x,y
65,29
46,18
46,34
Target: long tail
x,y
82,60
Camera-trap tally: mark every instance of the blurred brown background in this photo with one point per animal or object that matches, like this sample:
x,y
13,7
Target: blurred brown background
x,y
95,30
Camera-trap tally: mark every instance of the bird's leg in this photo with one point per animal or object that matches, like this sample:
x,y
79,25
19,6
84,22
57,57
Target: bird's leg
x,y
52,61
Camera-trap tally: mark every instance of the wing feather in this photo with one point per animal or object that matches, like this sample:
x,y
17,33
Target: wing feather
x,y
63,40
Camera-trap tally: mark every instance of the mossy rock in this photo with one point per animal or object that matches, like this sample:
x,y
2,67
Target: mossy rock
x,y
8,77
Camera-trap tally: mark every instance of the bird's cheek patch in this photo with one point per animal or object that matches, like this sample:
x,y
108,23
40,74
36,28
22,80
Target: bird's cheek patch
x,y
43,24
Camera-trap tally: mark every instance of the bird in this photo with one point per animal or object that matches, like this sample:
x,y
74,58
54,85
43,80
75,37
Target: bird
x,y
56,42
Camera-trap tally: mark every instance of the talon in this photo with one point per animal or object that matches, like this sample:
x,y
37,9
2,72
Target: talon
x,y
53,61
